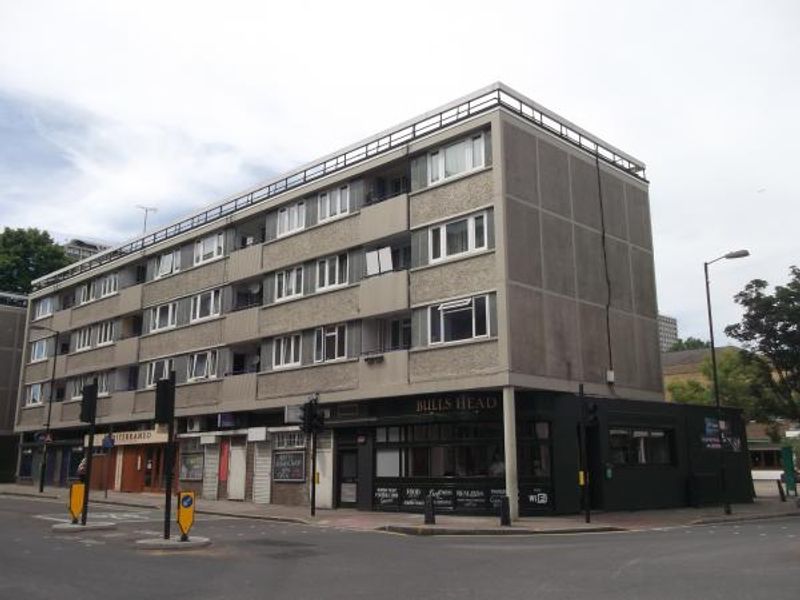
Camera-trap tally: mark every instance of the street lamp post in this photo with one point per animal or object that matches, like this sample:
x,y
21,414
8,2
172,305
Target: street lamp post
x,y
43,467
723,487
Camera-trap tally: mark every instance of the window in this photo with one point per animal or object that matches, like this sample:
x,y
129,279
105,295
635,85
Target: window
x,y
379,261
399,334
44,308
332,271
33,394
289,283
203,365
83,339
459,320
167,264
205,305
81,382
102,384
334,203
105,333
461,157
291,218
286,440
535,450
330,342
286,351
85,293
163,317
157,370
640,446
38,350
208,248
108,285
458,237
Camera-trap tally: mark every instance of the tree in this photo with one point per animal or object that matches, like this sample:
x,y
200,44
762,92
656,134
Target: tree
x,y
770,331
691,343
26,254
744,382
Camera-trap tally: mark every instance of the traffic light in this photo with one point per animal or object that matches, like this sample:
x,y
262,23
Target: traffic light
x,y
590,413
89,403
165,399
312,419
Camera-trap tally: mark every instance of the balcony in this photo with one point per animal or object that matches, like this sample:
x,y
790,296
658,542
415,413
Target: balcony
x,y
199,393
383,219
241,325
31,418
184,283
239,391
173,341
383,369
244,263
311,311
328,238
385,293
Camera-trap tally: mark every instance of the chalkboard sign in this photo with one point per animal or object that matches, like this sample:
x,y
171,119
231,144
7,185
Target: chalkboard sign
x,y
442,498
413,496
472,498
387,496
289,466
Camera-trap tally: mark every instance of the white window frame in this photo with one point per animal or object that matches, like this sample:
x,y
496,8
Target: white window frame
x,y
83,339
218,241
320,337
288,440
108,284
334,203
215,306
39,350
209,370
291,218
102,384
436,158
174,264
31,398
438,311
472,244
293,276
294,343
78,384
44,308
172,310
105,333
323,263
167,366
86,293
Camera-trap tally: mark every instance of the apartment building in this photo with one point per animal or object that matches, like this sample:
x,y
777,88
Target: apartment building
x,y
12,334
446,287
667,332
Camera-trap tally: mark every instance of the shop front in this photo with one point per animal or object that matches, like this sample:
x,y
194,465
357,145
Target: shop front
x,y
129,461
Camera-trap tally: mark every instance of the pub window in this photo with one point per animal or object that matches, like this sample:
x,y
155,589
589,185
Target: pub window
x,y
640,446
536,450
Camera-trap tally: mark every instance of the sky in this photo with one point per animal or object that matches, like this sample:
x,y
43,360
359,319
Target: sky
x,y
108,105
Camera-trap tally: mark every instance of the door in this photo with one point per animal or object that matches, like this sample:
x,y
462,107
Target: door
x,y
236,472
347,478
132,468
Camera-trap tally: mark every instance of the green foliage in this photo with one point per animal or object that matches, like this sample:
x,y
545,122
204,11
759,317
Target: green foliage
x,y
744,382
26,254
690,343
770,328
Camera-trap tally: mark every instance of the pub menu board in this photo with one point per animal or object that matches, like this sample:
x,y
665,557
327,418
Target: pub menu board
x,y
414,497
387,496
289,466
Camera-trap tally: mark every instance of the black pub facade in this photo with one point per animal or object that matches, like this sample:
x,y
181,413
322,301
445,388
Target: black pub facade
x,y
392,454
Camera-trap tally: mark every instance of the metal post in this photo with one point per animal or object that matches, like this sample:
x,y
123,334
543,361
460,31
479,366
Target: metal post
x,y
88,451
313,473
510,451
723,484
169,460
586,497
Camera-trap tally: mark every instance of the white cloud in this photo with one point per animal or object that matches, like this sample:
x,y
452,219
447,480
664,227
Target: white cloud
x,y
175,104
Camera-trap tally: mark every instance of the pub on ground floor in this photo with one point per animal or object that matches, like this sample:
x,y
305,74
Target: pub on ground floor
x,y
392,454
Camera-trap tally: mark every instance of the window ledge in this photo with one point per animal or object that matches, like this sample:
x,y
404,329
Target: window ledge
x,y
453,259
327,290
339,361
38,360
197,381
28,406
452,179
42,318
442,345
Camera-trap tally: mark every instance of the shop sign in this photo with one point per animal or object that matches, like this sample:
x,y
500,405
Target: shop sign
x,y
711,436
537,497
460,402
289,466
128,438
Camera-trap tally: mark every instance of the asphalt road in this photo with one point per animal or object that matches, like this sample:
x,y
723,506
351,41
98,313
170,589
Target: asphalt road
x,y
258,559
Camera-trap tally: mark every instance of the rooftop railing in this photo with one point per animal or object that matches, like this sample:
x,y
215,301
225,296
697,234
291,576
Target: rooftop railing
x,y
495,96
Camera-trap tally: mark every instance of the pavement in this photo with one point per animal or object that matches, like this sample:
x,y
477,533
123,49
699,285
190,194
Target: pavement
x,y
252,559
767,505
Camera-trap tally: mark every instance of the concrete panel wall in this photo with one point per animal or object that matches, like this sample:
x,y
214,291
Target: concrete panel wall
x,y
440,202
185,283
383,293
241,325
201,393
319,309
322,378
383,219
453,361
319,241
391,369
122,352
201,335
580,248
453,278
244,263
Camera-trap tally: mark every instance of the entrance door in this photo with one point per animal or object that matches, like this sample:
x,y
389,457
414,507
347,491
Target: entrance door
x,y
347,492
236,472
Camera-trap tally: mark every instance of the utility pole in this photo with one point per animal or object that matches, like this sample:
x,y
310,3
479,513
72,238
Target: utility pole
x,y
165,414
88,415
147,210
